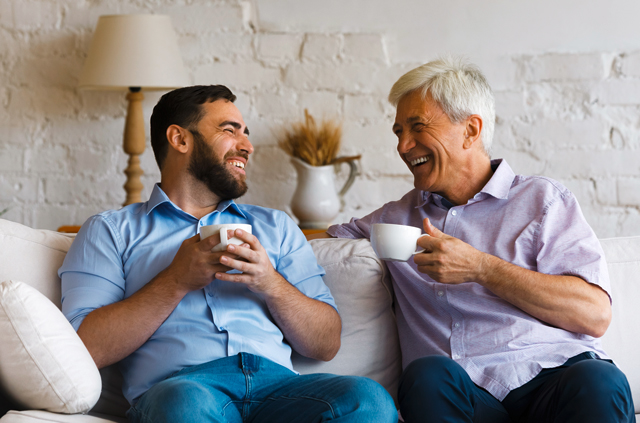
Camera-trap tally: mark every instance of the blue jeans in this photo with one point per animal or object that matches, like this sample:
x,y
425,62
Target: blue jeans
x,y
582,390
249,388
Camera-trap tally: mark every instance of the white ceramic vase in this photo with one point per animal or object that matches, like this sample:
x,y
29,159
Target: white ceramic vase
x,y
315,201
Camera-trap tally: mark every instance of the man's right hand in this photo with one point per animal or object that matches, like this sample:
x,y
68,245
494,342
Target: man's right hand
x,y
194,265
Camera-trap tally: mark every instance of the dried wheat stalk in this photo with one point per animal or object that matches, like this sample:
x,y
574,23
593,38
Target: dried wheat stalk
x,y
314,144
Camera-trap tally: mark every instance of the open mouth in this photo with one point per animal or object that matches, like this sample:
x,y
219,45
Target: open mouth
x,y
419,161
237,164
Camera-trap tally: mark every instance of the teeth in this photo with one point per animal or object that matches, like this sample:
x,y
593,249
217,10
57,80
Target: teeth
x,y
418,161
237,164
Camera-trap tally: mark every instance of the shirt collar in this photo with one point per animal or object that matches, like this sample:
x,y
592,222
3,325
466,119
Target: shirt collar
x,y
498,186
158,196
501,181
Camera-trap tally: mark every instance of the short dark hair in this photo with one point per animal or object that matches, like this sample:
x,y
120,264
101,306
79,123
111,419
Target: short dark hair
x,y
182,107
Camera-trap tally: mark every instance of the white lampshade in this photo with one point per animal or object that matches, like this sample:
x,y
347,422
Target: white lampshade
x,y
133,51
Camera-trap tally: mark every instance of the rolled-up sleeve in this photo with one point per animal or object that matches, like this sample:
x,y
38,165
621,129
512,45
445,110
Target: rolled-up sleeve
x,y
298,265
92,273
568,246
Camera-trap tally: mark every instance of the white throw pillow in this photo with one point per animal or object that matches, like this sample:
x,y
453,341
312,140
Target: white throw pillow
x,y
43,362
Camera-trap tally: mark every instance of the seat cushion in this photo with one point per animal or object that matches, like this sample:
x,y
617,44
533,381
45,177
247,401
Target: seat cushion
x,y
361,287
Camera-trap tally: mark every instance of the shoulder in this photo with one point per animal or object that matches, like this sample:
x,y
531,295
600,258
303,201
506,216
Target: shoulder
x,y
262,214
541,188
114,222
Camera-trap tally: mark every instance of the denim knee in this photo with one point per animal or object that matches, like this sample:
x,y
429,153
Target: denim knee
x,y
373,401
177,400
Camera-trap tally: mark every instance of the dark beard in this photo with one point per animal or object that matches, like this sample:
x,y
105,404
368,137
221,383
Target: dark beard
x,y
208,169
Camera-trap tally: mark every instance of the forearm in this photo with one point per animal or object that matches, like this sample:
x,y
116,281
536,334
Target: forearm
x,y
311,327
112,332
567,302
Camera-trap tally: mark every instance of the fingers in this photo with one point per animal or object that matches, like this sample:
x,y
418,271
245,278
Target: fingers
x,y
430,229
247,237
426,242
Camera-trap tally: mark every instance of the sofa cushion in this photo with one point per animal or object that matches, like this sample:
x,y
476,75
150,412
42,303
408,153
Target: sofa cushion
x,y
43,363
622,340
361,287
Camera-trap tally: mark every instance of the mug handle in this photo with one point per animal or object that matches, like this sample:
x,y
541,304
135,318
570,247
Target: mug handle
x,y
224,240
423,250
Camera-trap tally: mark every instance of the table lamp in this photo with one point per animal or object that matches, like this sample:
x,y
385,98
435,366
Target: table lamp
x,y
134,53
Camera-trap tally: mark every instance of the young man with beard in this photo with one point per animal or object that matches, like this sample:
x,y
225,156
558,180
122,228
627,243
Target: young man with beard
x,y
204,336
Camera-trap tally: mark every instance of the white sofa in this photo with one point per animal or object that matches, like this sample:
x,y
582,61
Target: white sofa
x,y
360,285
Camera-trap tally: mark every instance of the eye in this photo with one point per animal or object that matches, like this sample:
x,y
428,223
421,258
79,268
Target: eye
x,y
417,127
230,130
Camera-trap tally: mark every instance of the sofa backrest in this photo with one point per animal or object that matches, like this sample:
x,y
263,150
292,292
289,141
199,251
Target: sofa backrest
x,y
622,340
33,256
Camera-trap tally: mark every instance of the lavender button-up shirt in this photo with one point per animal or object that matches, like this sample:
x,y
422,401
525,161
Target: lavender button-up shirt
x,y
531,221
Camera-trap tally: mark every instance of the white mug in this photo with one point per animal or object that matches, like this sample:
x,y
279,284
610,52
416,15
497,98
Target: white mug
x,y
395,242
207,231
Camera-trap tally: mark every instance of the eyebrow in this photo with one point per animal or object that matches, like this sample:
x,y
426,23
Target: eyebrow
x,y
235,125
412,119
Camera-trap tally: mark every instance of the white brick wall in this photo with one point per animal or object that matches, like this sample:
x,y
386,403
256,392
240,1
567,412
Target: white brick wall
x,y
569,115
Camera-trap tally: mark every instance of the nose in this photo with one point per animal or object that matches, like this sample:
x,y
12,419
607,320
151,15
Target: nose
x,y
405,142
245,145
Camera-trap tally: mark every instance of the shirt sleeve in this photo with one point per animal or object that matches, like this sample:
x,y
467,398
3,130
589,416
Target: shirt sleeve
x,y
92,273
298,264
358,228
568,246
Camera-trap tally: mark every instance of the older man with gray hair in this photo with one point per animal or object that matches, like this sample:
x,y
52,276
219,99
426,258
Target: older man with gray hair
x,y
499,317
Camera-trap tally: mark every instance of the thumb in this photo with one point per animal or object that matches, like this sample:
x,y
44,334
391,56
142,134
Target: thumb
x,y
430,229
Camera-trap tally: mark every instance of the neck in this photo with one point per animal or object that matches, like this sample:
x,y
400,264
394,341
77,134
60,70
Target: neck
x,y
471,179
191,195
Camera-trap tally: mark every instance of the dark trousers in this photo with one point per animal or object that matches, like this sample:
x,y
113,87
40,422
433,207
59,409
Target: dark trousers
x,y
583,390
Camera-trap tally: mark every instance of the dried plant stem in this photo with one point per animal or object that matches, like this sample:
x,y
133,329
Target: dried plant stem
x,y
315,144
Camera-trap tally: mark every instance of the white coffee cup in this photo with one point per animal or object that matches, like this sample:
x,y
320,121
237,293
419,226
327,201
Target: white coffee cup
x,y
207,231
395,242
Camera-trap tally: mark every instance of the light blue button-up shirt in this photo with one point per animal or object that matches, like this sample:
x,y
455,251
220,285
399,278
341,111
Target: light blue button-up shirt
x,y
117,252
531,221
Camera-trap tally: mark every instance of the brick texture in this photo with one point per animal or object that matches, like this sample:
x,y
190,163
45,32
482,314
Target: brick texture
x,y
569,116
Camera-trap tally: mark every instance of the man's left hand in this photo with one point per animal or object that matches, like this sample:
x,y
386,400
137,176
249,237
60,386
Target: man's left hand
x,y
447,259
257,272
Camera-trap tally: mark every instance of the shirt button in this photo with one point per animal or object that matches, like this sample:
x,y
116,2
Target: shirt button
x,y
440,293
210,294
456,325
454,212
201,223
455,356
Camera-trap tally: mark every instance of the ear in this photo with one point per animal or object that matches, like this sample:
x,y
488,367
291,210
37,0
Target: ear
x,y
179,138
473,128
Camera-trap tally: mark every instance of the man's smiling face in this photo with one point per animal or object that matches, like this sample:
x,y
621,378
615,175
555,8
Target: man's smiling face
x,y
429,143
221,150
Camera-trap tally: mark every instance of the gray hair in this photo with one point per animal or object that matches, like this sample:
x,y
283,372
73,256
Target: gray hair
x,y
458,87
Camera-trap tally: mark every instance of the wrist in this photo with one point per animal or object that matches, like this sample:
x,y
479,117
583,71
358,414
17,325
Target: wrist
x,y
275,287
170,281
484,270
